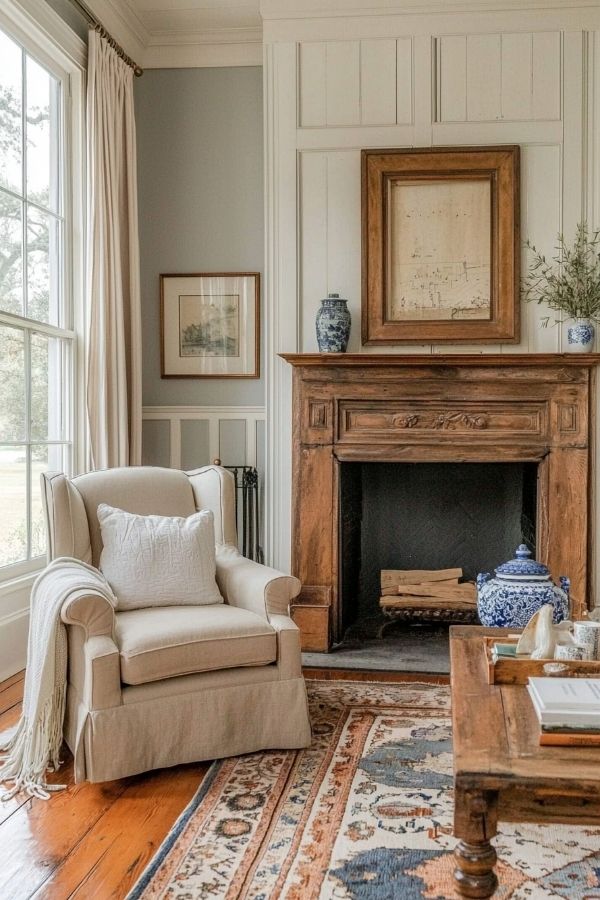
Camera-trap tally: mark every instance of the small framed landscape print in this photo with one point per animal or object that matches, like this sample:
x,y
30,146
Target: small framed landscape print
x,y
210,325
440,240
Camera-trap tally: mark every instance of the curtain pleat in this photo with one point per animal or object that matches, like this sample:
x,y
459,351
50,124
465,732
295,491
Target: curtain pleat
x,y
114,392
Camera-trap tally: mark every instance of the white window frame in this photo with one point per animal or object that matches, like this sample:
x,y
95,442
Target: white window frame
x,y
44,36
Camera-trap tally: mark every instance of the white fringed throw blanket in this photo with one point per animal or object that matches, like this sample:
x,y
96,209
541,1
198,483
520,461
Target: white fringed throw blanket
x,y
35,745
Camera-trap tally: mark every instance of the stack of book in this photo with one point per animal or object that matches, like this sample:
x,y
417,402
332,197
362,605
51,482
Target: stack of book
x,y
568,710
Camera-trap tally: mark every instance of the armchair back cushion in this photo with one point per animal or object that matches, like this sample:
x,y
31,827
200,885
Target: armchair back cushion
x,y
143,490
72,505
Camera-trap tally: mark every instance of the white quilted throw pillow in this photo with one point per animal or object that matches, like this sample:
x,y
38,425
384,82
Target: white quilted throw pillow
x,y
158,560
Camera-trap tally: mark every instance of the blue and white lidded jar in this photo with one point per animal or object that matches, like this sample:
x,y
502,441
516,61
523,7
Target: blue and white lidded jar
x,y
333,325
581,335
521,587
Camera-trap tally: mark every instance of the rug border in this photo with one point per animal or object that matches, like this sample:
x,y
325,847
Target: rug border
x,y
166,846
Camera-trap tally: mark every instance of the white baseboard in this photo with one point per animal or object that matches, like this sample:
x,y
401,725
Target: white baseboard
x,y
13,643
14,624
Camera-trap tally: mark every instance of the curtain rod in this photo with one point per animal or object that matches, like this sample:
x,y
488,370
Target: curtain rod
x,y
97,25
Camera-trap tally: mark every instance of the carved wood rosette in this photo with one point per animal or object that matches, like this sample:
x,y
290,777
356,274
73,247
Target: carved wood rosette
x,y
485,408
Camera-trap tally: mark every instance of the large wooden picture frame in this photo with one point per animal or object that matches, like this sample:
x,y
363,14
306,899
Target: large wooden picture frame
x,y
210,325
440,245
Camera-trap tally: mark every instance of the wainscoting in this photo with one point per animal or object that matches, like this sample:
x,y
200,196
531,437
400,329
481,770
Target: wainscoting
x,y
186,437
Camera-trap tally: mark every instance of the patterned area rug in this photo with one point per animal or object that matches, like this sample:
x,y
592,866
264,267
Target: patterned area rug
x,y
364,814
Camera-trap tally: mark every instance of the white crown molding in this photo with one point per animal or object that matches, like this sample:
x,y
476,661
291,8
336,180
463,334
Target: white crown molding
x,y
315,9
226,47
31,16
124,25
166,49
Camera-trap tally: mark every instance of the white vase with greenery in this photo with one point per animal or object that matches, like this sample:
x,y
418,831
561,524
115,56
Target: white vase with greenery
x,y
569,284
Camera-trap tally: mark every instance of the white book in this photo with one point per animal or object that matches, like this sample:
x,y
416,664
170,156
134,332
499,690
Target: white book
x,y
566,701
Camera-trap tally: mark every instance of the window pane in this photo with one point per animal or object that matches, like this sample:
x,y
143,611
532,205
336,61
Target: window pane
x,y
13,490
11,254
49,358
43,130
39,464
10,114
43,266
12,379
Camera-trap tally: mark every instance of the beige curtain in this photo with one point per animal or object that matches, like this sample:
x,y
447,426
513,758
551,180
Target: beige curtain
x,y
114,393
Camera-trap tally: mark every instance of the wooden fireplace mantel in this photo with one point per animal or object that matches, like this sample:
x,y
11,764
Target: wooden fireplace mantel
x,y
351,360
437,408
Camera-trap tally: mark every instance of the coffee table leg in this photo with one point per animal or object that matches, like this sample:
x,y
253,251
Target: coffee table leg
x,y
474,825
474,875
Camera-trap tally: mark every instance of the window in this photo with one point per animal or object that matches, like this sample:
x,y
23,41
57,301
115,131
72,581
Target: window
x,y
37,336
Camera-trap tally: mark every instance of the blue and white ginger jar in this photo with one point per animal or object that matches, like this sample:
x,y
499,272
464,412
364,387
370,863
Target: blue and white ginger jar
x,y
333,325
521,587
581,335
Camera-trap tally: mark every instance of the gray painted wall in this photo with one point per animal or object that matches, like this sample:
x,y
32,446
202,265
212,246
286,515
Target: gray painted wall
x,y
200,180
71,16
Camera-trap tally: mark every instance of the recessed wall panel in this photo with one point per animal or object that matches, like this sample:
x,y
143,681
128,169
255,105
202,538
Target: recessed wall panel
x,y
313,73
194,444
378,82
343,83
156,443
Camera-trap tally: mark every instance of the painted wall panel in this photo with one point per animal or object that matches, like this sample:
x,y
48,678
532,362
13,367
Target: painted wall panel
x,y
378,82
516,76
156,444
313,74
452,78
232,442
313,243
404,81
540,222
343,83
195,450
546,71
343,233
484,77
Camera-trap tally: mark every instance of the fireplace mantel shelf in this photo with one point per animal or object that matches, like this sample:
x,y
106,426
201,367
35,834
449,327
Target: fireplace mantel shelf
x,y
585,360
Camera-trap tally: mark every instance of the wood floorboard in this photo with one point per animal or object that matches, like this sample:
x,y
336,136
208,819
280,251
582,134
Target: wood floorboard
x,y
11,696
18,676
92,841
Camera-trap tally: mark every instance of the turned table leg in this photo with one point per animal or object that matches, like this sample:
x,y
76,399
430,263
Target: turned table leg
x,y
474,825
474,875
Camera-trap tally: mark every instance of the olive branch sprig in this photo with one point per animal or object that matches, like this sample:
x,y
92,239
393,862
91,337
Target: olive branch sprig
x,y
568,282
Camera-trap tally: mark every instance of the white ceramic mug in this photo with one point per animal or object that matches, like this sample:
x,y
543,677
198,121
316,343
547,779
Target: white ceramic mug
x,y
571,651
587,634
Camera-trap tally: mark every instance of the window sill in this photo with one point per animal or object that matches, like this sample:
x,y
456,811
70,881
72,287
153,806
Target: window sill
x,y
20,576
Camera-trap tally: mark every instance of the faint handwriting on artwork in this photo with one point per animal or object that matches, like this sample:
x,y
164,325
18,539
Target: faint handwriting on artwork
x,y
439,265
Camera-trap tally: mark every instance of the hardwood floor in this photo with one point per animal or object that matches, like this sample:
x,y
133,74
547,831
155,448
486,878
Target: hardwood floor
x,y
94,840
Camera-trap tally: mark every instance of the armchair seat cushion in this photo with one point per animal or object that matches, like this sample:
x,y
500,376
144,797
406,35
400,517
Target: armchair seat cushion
x,y
163,642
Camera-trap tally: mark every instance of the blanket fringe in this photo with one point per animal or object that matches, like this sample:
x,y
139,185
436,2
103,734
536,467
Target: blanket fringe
x,y
33,748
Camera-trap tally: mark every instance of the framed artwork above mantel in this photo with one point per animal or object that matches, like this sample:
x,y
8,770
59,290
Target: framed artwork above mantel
x,y
440,245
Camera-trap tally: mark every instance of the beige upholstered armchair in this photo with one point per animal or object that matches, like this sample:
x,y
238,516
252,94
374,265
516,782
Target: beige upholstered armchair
x,y
161,686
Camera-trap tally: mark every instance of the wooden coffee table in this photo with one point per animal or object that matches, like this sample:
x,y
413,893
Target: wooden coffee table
x,y
500,771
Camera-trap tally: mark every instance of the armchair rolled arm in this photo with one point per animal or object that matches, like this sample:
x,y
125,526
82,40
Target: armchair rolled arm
x,y
252,586
91,611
